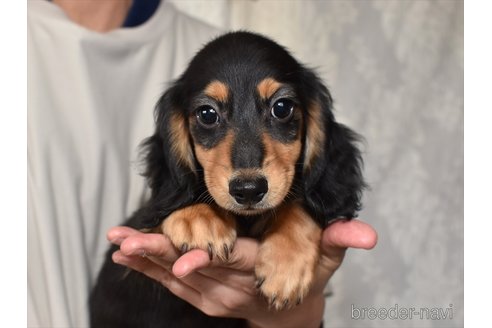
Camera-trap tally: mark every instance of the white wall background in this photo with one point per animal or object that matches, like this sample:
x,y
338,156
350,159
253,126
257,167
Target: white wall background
x,y
395,70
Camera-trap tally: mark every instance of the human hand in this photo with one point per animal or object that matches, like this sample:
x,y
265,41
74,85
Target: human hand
x,y
228,289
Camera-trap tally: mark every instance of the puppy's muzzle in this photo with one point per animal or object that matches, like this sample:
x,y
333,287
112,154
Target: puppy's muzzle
x,y
248,191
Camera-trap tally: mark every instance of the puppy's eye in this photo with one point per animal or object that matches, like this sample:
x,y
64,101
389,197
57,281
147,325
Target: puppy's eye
x,y
207,116
282,109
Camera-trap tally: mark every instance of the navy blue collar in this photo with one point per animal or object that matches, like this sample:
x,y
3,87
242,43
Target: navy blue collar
x,y
140,12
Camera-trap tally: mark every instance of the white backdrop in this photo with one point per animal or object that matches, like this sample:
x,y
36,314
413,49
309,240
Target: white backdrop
x,y
395,70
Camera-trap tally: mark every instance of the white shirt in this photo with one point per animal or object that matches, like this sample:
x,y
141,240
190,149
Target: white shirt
x,y
90,103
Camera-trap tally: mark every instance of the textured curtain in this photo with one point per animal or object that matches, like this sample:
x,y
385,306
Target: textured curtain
x,y
395,70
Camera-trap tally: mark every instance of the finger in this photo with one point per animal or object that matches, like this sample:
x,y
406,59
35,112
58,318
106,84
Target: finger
x,y
350,233
161,275
142,265
217,291
191,261
149,244
237,279
116,235
193,288
197,262
242,258
238,272
341,235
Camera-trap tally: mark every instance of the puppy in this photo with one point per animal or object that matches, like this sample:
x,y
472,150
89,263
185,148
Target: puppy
x,y
245,144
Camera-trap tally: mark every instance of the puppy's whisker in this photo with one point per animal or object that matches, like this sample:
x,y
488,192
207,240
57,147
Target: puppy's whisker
x,y
203,195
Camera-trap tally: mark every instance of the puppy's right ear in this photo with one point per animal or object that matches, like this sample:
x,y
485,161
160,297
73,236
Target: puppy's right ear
x,y
170,162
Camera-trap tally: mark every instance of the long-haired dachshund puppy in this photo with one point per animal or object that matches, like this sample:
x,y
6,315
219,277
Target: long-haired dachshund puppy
x,y
245,145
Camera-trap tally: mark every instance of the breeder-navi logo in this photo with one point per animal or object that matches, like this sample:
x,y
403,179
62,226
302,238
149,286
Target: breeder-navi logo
x,y
402,313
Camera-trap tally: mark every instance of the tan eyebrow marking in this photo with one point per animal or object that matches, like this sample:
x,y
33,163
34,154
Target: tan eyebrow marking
x,y
218,91
267,87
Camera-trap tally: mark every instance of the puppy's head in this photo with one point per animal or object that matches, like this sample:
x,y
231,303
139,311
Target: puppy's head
x,y
253,124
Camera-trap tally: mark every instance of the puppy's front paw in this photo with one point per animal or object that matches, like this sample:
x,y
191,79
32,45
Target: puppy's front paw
x,y
201,226
285,274
288,257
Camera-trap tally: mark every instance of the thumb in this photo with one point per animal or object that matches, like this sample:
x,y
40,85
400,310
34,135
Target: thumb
x,y
344,234
242,257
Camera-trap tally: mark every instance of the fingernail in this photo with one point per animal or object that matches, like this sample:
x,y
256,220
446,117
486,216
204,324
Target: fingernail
x,y
140,252
116,241
118,258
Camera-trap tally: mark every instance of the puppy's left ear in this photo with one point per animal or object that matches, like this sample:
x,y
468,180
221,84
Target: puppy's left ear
x,y
170,161
332,167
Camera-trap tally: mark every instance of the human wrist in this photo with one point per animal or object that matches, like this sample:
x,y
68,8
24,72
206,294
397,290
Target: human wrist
x,y
308,314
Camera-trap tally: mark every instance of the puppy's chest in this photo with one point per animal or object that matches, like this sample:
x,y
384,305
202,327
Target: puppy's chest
x,y
253,226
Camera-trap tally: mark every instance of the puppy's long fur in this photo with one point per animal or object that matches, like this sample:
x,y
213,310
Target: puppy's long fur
x,y
245,144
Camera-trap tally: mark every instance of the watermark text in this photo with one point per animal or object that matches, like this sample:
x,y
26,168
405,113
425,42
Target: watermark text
x,y
398,312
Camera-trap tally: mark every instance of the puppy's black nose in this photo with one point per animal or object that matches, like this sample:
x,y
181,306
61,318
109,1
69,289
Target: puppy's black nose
x,y
248,191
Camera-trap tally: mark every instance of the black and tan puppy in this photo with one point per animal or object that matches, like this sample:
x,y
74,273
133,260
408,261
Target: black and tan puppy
x,y
245,145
